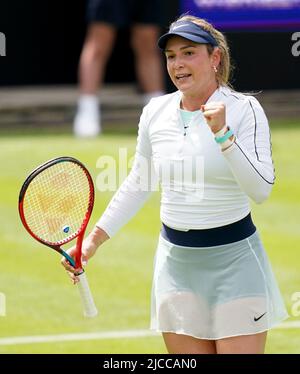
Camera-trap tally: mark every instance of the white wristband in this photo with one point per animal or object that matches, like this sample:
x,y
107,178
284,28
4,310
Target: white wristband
x,y
227,143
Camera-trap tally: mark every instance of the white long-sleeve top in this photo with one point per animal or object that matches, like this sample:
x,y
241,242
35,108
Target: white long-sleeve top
x,y
201,186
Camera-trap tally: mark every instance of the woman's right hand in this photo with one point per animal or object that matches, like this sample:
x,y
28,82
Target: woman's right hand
x,y
89,247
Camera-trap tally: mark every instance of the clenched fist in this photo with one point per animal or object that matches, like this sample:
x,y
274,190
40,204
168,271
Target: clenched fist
x,y
214,114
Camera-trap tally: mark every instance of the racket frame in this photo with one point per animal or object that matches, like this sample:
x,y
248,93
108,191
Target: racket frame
x,y
89,307
80,232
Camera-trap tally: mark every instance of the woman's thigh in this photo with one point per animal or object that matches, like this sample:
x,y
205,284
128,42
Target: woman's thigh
x,y
184,344
243,344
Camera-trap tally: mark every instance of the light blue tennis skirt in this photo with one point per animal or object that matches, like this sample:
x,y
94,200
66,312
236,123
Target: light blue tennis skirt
x,y
215,292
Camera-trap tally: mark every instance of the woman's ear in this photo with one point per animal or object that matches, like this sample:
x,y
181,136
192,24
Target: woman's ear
x,y
216,57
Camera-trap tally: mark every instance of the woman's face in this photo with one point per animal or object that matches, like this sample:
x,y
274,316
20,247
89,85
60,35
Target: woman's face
x,y
190,66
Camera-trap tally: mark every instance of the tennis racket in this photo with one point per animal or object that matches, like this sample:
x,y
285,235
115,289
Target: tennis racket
x,y
55,205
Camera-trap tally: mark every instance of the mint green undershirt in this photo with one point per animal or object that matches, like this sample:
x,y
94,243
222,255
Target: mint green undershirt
x,y
187,116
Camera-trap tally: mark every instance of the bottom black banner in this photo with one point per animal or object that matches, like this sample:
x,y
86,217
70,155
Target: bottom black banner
x,y
133,363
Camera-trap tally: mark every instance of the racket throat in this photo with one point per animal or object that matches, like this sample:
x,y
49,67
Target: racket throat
x,y
68,257
78,253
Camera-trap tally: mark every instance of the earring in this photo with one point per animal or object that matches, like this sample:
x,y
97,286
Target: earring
x,y
215,69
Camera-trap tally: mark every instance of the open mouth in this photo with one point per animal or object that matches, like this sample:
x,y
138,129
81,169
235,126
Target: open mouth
x,y
181,77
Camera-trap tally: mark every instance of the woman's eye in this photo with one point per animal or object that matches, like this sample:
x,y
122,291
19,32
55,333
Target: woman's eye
x,y
188,53
170,57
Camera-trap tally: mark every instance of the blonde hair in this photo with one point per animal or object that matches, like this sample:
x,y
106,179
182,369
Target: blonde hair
x,y
225,67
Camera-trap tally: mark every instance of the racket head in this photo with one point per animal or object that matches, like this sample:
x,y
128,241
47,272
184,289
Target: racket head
x,y
56,202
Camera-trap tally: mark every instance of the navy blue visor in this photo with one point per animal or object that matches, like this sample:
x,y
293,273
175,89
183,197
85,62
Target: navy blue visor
x,y
188,30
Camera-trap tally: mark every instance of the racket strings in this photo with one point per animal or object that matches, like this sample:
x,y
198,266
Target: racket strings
x,y
57,202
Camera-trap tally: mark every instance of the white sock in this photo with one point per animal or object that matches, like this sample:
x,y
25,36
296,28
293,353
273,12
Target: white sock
x,y
87,122
149,95
89,103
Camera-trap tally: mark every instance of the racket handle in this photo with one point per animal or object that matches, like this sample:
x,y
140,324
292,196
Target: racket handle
x,y
89,307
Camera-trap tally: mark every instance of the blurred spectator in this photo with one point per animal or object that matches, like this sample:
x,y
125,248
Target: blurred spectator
x,y
105,17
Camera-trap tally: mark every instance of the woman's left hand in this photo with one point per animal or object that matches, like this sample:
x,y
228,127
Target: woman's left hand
x,y
214,114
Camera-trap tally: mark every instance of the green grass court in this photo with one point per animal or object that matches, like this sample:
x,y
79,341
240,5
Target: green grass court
x,y
40,300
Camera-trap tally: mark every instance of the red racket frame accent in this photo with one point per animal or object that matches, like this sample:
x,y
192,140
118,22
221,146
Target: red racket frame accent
x,y
81,231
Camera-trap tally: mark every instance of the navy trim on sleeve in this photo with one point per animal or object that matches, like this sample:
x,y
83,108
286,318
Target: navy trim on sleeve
x,y
254,166
255,126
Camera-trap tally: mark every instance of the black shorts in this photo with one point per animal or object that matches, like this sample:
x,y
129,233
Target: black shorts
x,y
123,13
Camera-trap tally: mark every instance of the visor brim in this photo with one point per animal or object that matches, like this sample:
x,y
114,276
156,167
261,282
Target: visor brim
x,y
162,41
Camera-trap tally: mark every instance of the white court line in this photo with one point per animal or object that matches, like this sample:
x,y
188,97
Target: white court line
x,y
102,335
76,337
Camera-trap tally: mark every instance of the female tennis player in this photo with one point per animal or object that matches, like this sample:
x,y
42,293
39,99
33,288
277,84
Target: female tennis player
x,y
213,287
